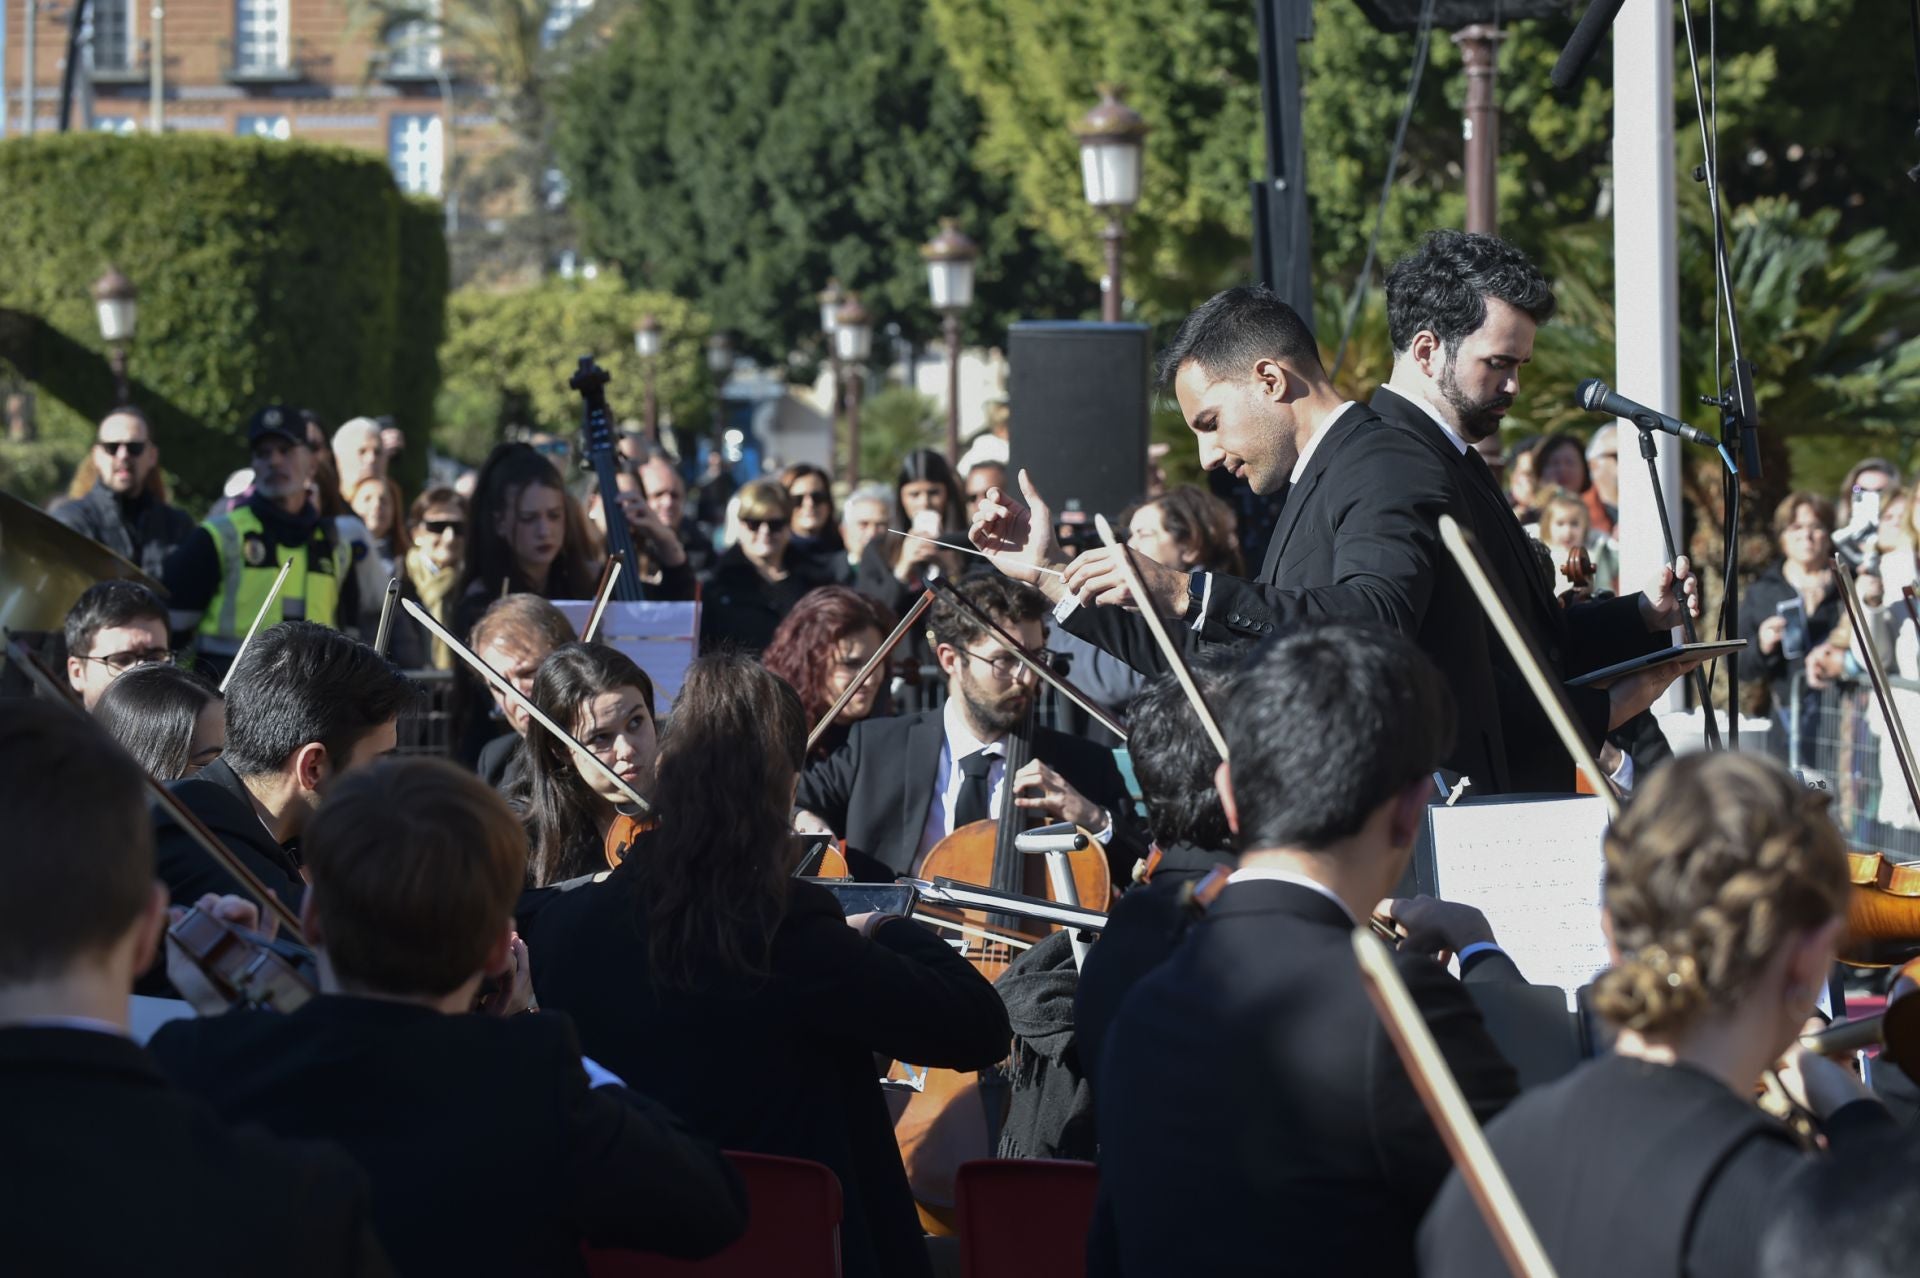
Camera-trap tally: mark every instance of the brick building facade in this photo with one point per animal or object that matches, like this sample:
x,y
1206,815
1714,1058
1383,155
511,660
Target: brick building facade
x,y
274,68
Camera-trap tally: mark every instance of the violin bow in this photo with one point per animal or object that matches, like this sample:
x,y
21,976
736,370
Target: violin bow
x,y
885,650
258,617
183,816
513,694
1123,559
1877,676
603,594
384,634
1552,699
1913,610
1059,684
1447,1107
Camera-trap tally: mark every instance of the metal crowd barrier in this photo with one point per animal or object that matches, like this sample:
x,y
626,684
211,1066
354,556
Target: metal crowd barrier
x,y
1835,740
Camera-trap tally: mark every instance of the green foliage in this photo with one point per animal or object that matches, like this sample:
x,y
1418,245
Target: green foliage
x,y
741,154
266,270
508,356
893,423
35,470
422,309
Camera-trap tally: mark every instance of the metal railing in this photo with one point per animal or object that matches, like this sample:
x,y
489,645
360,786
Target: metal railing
x,y
1835,740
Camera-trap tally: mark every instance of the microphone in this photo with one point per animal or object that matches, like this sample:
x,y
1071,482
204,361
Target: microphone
x,y
1596,396
1584,42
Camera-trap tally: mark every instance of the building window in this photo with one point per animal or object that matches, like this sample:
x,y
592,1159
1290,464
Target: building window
x,y
260,35
414,47
413,151
277,127
560,16
113,46
121,124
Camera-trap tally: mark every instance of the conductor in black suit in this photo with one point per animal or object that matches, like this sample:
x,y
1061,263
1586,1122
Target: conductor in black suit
x,y
491,1145
1357,540
1303,1145
111,1170
899,785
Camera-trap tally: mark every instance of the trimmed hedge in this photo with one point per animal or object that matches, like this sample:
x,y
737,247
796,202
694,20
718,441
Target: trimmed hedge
x,y
267,271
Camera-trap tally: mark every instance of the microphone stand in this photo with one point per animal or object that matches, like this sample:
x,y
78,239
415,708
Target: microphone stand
x,y
1651,452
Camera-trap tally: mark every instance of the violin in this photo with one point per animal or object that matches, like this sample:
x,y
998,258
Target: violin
x,y
596,429
1577,568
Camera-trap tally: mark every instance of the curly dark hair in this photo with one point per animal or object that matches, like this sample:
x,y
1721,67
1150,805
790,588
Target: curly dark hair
x,y
802,651
1442,287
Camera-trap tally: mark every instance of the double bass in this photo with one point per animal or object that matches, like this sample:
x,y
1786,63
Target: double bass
x,y
596,429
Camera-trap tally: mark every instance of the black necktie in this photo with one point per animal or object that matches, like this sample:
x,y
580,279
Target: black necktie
x,y
975,800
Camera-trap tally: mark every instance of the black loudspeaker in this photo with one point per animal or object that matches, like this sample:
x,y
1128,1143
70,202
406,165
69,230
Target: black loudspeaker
x,y
1078,396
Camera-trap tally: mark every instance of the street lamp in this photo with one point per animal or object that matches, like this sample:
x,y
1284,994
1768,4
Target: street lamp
x,y
950,256
719,363
852,344
1112,140
117,304
646,343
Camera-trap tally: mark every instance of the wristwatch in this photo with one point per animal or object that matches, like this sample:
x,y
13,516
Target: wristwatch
x,y
1196,597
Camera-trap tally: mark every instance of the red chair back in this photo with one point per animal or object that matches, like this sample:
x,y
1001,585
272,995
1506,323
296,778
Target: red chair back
x,y
1024,1217
793,1229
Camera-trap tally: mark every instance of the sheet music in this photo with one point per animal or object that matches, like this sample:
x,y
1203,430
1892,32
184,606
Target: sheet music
x,y
662,637
1534,868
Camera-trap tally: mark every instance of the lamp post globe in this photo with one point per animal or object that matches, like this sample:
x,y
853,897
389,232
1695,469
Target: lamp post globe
x,y
116,305
646,344
852,344
950,258
1112,146
719,363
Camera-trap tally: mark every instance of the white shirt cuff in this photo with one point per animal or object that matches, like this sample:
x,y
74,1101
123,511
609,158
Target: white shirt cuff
x,y
1065,608
1105,836
599,1075
1622,776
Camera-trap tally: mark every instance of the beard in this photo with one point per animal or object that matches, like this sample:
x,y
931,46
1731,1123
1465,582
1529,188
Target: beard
x,y
1477,419
994,713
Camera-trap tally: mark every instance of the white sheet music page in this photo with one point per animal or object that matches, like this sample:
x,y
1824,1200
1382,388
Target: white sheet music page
x,y
1534,869
662,637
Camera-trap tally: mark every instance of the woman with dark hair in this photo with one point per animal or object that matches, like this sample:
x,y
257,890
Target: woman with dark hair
x,y
761,576
1559,462
818,650
1187,528
816,524
927,501
1787,616
706,976
600,696
525,535
172,720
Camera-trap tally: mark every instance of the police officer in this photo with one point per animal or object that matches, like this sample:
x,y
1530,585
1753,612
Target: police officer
x,y
220,576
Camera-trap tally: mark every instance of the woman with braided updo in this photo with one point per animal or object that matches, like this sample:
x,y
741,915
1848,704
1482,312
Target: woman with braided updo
x,y
1725,899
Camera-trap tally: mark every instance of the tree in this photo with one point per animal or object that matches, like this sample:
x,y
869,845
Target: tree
x,y
743,154
508,356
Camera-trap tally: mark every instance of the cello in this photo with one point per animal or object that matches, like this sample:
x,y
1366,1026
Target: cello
x,y
596,429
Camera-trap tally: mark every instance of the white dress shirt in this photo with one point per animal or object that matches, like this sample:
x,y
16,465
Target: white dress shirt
x,y
1453,436
1250,873
1313,441
959,744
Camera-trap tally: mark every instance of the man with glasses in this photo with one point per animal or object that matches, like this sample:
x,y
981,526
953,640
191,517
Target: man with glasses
x,y
219,578
900,785
112,628
126,510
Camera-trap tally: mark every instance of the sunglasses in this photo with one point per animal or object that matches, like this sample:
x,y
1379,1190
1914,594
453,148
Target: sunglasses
x,y
437,527
121,662
765,525
132,447
812,499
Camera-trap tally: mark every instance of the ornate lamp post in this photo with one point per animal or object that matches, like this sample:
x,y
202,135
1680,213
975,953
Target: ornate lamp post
x,y
117,303
1112,139
950,256
719,363
852,343
646,343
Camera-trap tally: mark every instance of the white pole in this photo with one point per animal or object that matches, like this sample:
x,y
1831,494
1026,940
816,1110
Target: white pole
x,y
1646,283
29,92
157,71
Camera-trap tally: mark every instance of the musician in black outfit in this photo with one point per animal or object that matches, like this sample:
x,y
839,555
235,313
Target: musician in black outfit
x,y
1726,895
306,705
703,973
1252,1113
899,785
416,868
1357,539
111,1171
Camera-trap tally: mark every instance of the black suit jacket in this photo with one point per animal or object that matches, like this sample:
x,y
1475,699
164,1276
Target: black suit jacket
x,y
1253,1115
501,761
218,797
1573,640
1358,541
114,1172
488,1150
784,1064
875,790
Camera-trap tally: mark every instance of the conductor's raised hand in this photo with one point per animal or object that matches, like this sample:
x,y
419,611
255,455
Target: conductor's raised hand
x,y
1017,535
